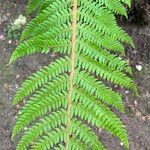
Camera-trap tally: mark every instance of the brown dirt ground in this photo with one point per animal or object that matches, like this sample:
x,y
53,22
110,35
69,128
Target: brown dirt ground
x,y
137,117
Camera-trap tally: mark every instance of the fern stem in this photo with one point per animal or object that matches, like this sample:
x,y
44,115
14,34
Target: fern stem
x,y
72,70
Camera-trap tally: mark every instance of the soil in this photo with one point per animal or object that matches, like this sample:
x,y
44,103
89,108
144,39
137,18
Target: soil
x,y
137,116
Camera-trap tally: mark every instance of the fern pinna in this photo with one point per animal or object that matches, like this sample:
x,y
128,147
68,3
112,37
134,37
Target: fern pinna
x,y
71,95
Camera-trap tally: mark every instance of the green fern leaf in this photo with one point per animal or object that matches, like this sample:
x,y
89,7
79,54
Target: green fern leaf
x,y
45,125
65,99
32,5
40,78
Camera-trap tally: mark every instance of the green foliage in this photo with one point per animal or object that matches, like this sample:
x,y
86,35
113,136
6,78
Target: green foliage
x,y
43,120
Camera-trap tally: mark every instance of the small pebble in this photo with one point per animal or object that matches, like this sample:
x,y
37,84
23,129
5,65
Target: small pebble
x,y
138,67
134,52
25,128
18,76
116,86
9,41
10,98
143,118
121,143
138,114
16,86
127,92
53,55
2,38
135,103
17,106
100,130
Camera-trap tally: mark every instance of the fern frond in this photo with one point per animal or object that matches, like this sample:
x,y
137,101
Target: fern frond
x,y
114,5
43,98
84,133
103,56
38,110
51,139
45,125
91,85
32,5
102,117
105,72
94,37
41,77
55,6
76,144
127,2
43,43
102,24
44,26
71,95
59,147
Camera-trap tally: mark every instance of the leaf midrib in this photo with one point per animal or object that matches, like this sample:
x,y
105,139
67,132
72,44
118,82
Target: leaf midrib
x,y
72,71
